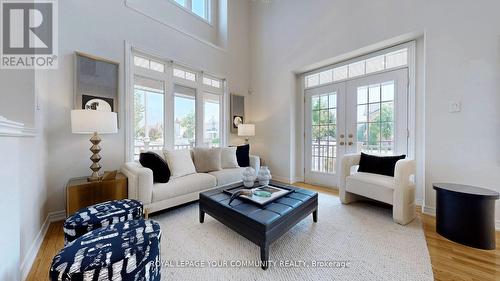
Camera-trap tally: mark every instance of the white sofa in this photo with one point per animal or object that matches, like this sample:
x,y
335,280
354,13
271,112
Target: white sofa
x,y
177,191
398,191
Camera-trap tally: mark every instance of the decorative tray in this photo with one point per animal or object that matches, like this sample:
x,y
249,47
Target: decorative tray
x,y
260,195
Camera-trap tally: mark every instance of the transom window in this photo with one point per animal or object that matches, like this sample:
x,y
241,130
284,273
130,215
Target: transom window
x,y
211,81
149,64
200,8
359,68
184,74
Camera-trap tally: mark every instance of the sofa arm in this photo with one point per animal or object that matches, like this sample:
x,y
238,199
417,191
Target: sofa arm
x,y
346,163
255,163
140,182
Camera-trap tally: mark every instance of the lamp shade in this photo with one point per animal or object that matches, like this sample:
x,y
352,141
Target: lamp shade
x,y
246,130
93,121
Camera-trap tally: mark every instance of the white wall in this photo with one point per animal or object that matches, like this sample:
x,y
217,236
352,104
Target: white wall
x,y
24,192
100,28
461,49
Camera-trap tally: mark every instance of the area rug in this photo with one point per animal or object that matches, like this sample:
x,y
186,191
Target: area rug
x,y
350,242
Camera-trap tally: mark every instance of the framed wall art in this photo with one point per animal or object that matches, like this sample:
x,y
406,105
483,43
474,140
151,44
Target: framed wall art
x,y
96,83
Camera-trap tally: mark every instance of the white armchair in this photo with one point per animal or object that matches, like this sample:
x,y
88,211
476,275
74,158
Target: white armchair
x,y
398,191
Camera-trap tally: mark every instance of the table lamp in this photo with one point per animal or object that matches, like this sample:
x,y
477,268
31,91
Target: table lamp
x,y
246,130
94,122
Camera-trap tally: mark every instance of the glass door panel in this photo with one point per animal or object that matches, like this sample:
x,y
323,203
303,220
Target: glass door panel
x,y
322,139
377,114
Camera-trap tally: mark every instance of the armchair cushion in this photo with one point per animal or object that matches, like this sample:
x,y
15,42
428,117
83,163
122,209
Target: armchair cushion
x,y
382,165
375,186
153,161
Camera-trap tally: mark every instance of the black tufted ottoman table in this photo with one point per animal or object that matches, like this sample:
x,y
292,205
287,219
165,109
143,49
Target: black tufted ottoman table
x,y
99,215
127,250
261,225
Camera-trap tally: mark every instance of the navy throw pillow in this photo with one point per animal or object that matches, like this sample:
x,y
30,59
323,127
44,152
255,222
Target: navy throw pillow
x,y
243,155
382,165
153,161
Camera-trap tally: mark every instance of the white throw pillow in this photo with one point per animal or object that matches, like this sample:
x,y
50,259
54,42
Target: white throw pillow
x,y
228,158
179,162
207,159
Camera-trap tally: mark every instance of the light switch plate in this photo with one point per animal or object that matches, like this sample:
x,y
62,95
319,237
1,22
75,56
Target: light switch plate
x,y
455,106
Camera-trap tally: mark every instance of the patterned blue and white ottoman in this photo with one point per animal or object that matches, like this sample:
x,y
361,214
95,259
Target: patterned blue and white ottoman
x,y
123,251
99,215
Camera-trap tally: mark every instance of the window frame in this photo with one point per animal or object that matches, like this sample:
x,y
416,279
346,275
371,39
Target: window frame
x,y
410,49
188,8
169,83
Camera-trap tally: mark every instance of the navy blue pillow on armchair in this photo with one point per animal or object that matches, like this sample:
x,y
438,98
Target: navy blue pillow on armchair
x,y
382,165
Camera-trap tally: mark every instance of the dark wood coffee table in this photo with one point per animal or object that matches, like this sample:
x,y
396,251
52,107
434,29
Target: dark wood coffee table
x,y
261,225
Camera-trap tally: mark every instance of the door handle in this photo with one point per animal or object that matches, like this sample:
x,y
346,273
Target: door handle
x,y
341,142
351,139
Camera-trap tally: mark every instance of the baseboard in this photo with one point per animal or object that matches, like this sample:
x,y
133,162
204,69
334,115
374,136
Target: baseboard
x,y
497,225
431,211
281,179
27,263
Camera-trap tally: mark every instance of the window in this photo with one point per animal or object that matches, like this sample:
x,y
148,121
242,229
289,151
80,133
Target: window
x,y
184,117
148,116
149,64
358,68
375,118
211,120
185,74
213,82
173,107
200,8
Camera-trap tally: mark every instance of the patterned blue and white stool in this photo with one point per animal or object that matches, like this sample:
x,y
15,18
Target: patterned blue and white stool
x,y
99,215
127,250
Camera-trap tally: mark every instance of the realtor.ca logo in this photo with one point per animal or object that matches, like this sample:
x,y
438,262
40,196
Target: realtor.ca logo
x,y
28,34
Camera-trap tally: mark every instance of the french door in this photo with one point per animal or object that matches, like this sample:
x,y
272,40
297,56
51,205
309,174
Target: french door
x,y
367,114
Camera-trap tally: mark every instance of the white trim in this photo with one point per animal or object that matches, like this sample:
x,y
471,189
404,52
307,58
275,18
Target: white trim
x,y
497,225
176,29
30,257
282,179
9,128
428,210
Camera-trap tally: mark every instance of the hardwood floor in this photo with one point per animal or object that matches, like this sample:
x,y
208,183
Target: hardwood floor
x,y
450,261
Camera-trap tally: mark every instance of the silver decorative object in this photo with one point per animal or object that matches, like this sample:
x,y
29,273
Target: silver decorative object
x,y
264,175
249,177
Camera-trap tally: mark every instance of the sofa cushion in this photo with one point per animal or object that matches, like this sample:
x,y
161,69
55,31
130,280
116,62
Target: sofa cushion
x,y
183,185
207,159
382,165
378,187
228,158
179,162
153,161
227,176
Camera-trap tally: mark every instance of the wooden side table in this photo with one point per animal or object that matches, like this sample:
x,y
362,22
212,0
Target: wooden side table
x,y
80,193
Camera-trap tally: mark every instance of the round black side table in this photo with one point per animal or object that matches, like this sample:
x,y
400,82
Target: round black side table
x,y
466,214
